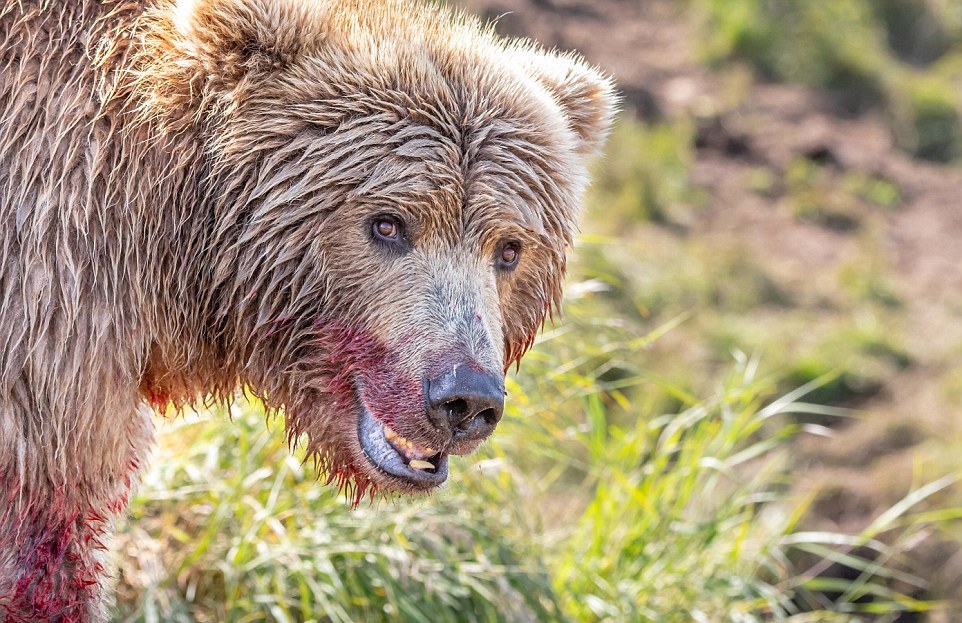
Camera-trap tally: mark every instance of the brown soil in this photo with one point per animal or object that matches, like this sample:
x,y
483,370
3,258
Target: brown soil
x,y
745,125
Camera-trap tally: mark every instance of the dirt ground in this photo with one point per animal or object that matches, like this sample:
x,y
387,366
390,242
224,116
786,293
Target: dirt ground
x,y
745,125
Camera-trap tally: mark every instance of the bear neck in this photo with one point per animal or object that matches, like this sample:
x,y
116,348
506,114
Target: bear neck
x,y
156,180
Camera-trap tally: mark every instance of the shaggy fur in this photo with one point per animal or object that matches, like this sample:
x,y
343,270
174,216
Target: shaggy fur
x,y
186,196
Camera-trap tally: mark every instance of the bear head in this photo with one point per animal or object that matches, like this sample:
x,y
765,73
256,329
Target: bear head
x,y
388,194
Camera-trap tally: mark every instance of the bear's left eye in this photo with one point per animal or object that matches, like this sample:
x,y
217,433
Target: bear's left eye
x,y
389,233
508,255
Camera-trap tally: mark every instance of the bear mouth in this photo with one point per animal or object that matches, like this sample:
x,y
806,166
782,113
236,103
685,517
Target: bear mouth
x,y
405,463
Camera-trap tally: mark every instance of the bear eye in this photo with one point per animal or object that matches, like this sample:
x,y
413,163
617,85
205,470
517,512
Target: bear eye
x,y
386,228
509,255
389,233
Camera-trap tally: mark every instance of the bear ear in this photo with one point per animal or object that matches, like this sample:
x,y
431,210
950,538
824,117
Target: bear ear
x,y
585,94
236,37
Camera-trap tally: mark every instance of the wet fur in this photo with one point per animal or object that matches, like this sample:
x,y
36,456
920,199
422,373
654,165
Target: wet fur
x,y
185,195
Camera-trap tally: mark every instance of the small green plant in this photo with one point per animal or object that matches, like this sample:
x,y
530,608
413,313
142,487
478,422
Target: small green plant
x,y
815,198
876,190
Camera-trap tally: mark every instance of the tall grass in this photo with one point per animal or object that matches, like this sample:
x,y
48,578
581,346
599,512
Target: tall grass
x,y
229,527
584,507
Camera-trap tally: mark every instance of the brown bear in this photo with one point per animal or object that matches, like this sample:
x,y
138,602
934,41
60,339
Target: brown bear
x,y
357,209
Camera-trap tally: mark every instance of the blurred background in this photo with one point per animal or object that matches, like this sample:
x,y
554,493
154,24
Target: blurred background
x,y
752,408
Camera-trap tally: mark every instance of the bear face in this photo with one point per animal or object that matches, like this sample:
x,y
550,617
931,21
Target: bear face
x,y
389,197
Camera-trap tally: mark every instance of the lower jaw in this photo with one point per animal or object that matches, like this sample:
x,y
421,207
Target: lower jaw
x,y
388,464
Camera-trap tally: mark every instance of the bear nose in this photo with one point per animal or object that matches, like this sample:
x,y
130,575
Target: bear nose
x,y
466,402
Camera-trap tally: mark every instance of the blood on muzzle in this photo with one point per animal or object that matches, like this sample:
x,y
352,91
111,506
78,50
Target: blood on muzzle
x,y
466,402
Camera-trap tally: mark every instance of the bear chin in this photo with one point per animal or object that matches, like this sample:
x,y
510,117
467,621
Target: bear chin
x,y
386,460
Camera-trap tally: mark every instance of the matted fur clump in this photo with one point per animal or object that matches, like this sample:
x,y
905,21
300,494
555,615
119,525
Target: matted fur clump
x,y
358,209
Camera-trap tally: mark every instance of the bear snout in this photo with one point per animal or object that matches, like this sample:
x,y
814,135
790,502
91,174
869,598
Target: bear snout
x,y
466,402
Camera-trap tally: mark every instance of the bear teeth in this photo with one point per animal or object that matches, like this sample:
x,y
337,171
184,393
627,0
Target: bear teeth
x,y
407,448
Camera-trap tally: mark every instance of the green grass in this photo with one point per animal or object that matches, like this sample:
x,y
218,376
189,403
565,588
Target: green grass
x,y
229,527
586,506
